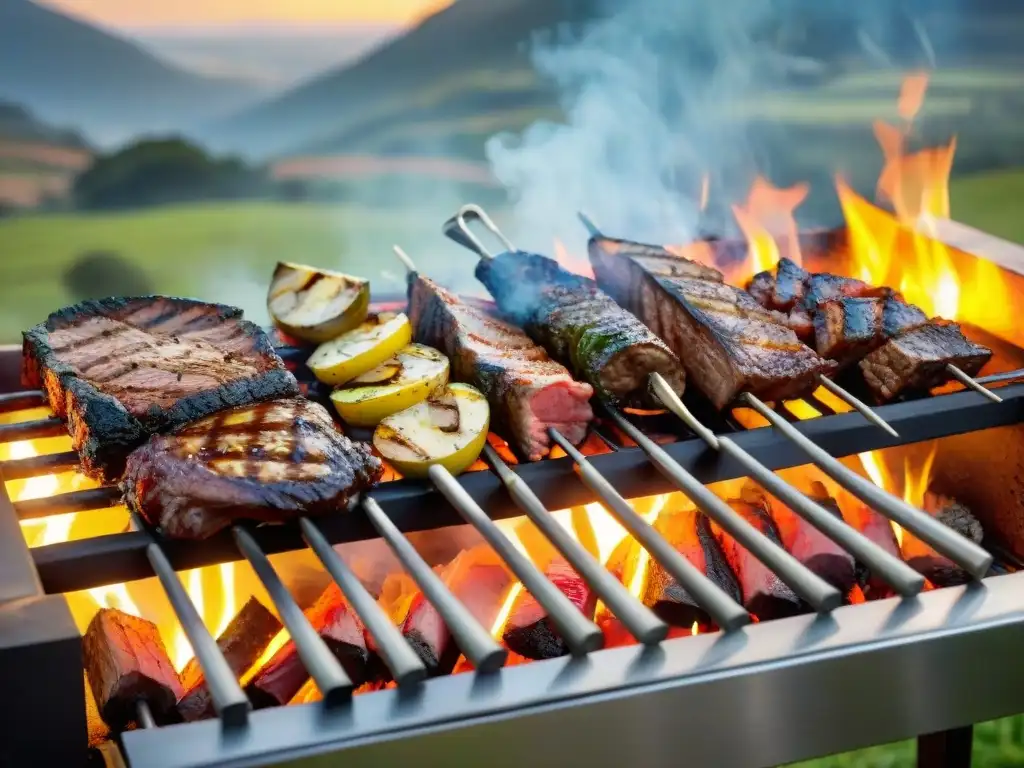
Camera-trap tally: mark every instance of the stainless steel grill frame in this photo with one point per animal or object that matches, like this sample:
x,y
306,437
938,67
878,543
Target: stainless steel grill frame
x,y
795,688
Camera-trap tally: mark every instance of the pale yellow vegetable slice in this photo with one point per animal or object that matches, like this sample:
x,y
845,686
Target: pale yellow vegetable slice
x,y
394,385
361,349
314,304
428,433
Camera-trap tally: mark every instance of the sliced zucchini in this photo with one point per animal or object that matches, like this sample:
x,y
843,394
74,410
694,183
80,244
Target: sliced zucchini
x,y
394,385
316,305
428,433
361,349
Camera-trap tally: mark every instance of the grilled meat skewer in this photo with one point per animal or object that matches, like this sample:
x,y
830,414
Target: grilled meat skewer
x,y
527,390
580,325
898,348
728,342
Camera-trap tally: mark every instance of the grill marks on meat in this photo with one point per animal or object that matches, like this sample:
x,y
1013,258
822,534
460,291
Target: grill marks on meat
x,y
120,370
269,462
728,342
527,390
899,349
916,360
581,326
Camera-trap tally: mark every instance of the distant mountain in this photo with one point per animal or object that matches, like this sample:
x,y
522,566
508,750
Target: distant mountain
x,y
276,58
468,60
68,71
19,124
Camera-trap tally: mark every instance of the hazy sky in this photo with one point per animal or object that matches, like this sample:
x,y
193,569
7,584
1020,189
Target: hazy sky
x,y
161,14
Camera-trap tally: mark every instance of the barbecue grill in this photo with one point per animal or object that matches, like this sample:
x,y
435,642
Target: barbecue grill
x,y
833,679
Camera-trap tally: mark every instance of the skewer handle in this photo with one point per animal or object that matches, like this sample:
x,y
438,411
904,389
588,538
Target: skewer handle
x,y
944,540
457,229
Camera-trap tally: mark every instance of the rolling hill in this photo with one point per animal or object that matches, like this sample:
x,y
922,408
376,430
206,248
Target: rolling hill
x,y
70,72
468,60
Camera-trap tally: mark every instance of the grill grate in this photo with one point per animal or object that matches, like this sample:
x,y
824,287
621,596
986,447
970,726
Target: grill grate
x,y
405,506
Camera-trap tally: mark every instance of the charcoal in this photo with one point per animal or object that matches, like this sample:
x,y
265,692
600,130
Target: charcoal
x,y
937,568
529,630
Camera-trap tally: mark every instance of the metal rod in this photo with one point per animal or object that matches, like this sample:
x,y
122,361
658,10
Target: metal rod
x,y
35,466
20,401
972,383
581,635
475,642
32,430
144,715
723,610
810,587
457,229
672,401
316,657
639,620
74,501
999,378
404,257
900,576
229,700
896,573
405,666
858,405
592,228
941,538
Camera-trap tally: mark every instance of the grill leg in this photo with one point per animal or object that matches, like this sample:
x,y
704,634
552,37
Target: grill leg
x,y
946,749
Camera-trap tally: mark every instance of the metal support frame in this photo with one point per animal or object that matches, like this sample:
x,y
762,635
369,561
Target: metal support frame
x,y
946,749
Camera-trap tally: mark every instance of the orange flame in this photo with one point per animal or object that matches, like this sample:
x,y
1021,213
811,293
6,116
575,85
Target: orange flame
x,y
767,219
912,91
571,263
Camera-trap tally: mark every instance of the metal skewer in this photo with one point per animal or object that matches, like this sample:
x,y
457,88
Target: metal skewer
x,y
939,537
900,576
580,634
639,620
457,228
972,383
847,397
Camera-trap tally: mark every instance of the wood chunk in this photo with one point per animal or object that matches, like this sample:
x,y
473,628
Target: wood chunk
x,y
125,661
689,531
938,569
764,594
529,631
241,642
479,580
339,626
810,546
879,530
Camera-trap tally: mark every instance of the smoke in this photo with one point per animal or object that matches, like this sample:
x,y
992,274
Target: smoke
x,y
654,96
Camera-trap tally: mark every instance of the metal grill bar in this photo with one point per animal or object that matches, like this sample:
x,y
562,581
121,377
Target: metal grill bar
x,y
229,700
61,504
639,621
32,430
723,610
19,401
36,466
579,633
900,576
405,666
316,657
968,555
476,643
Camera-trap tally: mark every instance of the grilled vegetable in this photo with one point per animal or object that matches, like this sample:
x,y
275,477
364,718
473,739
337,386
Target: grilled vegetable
x,y
316,305
360,350
394,385
448,428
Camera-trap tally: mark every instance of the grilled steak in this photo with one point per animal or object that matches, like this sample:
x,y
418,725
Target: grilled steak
x,y
120,370
580,326
527,390
269,462
728,342
916,361
847,329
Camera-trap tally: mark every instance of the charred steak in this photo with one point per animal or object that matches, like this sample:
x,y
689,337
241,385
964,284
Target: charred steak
x,y
527,390
581,326
728,342
122,369
270,462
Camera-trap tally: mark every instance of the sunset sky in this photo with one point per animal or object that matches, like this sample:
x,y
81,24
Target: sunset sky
x,y
162,14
